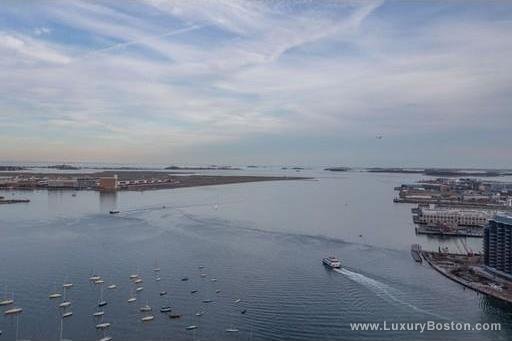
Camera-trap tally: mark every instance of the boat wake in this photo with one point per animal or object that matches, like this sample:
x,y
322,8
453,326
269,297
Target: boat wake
x,y
384,291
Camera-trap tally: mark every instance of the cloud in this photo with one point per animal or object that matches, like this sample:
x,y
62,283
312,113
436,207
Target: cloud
x,y
177,75
18,48
42,30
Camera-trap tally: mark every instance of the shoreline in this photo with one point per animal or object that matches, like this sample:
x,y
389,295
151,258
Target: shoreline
x,y
503,294
135,180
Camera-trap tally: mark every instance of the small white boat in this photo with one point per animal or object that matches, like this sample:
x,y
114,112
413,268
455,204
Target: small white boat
x,y
55,295
134,276
106,338
213,279
132,299
65,304
145,308
217,291
94,278
138,280
139,289
98,313
237,300
6,302
99,281
163,293
200,313
158,279
67,314
147,318
67,285
232,330
332,262
102,325
192,327
13,311
165,309
112,286
101,301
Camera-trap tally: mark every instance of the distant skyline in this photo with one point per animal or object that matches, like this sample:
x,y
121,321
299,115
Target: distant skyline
x,y
356,83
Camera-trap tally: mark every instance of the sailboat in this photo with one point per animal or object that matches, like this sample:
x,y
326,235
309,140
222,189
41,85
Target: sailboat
x,y
139,289
165,309
13,311
65,303
55,294
101,301
105,338
145,307
7,300
147,318
102,325
112,286
98,314
132,298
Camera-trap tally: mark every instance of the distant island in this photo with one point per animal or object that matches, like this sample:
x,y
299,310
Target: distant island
x,y
394,170
337,169
213,167
63,167
11,168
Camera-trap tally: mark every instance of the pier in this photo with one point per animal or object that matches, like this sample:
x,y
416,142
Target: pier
x,y
468,271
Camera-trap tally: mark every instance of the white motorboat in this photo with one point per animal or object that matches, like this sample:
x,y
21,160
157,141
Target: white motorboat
x,y
332,262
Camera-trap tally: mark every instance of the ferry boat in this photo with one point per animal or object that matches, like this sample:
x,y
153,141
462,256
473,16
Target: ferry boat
x,y
332,262
416,252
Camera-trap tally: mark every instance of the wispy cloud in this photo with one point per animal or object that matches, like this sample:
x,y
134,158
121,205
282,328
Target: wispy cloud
x,y
176,76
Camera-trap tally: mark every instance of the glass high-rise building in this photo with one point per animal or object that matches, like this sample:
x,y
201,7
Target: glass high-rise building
x,y
498,245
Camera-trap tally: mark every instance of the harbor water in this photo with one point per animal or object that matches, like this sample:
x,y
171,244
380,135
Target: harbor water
x,y
262,243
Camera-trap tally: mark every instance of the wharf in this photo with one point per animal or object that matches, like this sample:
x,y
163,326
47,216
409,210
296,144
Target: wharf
x,y
450,203
476,232
469,272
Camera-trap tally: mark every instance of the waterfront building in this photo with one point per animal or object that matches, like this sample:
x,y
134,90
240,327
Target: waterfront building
x,y
86,183
453,217
498,245
62,183
108,183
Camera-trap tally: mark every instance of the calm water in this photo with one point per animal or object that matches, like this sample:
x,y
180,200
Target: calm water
x,y
263,242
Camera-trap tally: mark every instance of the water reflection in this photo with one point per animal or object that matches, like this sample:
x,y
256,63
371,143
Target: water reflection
x,y
108,201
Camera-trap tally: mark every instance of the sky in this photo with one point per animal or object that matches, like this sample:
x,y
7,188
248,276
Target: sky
x,y
355,83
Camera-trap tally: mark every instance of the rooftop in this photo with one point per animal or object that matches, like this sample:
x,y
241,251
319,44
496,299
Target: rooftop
x,y
504,218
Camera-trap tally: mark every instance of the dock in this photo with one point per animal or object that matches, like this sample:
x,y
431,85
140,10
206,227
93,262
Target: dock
x,y
468,271
474,232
